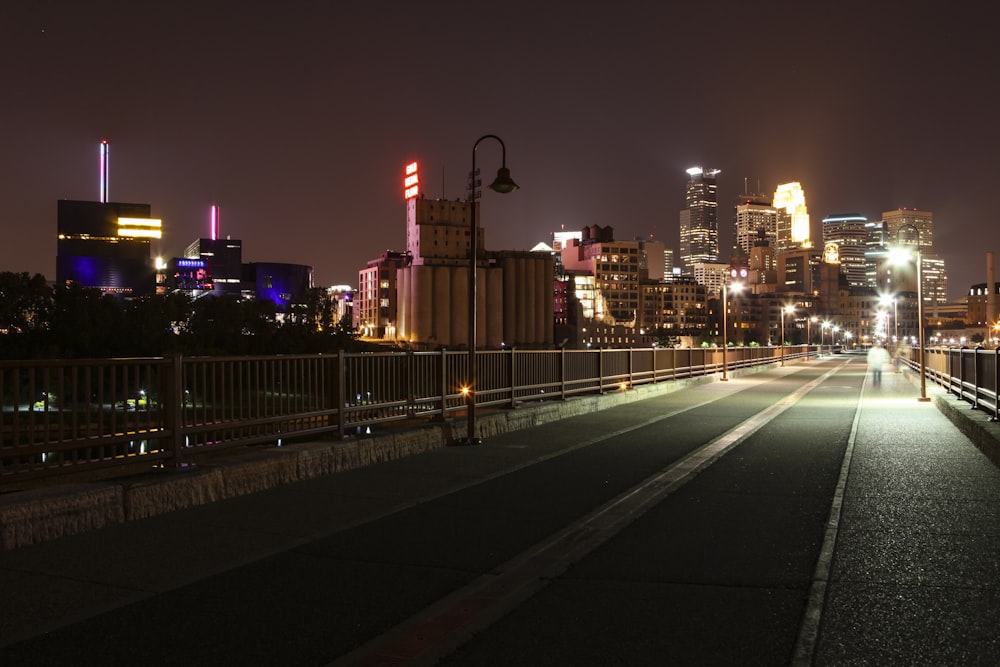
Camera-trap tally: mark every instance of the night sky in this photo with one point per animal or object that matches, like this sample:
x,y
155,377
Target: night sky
x,y
297,118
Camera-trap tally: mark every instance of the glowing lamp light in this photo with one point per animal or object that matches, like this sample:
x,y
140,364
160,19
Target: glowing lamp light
x,y
465,391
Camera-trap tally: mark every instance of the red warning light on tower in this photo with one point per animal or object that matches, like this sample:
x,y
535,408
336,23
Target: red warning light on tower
x,y
411,181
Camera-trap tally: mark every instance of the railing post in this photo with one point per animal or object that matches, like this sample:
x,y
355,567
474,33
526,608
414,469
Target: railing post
x,y
175,408
996,385
341,393
975,378
513,384
600,370
630,380
562,373
410,376
961,373
442,372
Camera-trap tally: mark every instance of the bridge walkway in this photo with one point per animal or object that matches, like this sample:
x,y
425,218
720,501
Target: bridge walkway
x,y
797,516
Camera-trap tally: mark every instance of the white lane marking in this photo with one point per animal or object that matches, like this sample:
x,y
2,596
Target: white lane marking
x,y
805,645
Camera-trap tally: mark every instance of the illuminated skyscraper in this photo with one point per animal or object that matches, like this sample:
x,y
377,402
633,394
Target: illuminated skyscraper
x,y
909,226
754,213
850,234
793,218
699,220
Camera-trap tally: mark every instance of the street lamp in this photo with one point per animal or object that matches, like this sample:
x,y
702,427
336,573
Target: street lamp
x,y
789,310
502,184
809,322
736,287
895,316
826,325
896,257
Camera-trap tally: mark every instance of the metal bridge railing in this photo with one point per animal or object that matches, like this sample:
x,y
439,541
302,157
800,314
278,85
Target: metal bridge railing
x,y
68,416
969,373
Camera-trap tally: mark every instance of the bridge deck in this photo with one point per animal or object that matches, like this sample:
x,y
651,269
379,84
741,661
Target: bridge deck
x,y
797,516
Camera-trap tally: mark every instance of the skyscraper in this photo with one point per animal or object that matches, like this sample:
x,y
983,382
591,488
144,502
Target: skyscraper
x,y
850,234
793,217
909,226
699,220
754,213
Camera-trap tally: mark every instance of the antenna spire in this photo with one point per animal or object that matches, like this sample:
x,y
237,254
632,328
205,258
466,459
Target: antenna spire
x,y
103,177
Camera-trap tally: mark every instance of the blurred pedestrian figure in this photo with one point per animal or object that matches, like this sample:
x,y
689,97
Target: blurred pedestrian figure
x,y
877,358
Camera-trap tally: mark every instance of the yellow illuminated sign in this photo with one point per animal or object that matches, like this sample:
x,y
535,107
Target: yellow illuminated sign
x,y
140,228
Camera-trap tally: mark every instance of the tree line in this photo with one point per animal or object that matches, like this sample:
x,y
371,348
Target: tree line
x,y
38,321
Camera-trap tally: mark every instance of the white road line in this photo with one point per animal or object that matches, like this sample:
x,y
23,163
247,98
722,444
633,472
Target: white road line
x,y
805,646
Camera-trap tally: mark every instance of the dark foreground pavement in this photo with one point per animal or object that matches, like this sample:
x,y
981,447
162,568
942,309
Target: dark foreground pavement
x,y
798,516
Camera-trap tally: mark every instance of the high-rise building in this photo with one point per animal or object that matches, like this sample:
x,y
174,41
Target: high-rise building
x,y
754,213
912,229
106,245
615,266
909,226
668,262
699,220
849,233
793,218
652,260
712,275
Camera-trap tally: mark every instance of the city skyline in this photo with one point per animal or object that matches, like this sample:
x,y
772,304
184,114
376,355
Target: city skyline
x,y
298,122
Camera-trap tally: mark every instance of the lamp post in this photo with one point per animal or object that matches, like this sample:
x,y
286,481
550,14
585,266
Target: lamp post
x,y
920,307
725,325
809,322
786,309
502,184
920,329
826,325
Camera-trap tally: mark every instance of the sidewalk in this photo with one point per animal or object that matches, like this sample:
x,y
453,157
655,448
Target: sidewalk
x,y
915,577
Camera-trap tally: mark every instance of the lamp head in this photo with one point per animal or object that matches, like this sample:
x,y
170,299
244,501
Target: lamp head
x,y
503,183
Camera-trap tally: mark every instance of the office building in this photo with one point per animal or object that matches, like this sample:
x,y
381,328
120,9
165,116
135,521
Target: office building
x,y
107,246
281,283
792,225
223,260
754,214
375,304
908,226
849,233
699,220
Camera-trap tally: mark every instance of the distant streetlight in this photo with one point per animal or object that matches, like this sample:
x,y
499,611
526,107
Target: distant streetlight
x,y
789,310
885,301
736,287
502,184
898,256
826,325
809,341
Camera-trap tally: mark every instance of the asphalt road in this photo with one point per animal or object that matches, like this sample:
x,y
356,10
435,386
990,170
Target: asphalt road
x,y
797,516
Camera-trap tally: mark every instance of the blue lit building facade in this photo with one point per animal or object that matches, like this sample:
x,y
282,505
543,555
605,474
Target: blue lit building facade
x,y
283,284
106,245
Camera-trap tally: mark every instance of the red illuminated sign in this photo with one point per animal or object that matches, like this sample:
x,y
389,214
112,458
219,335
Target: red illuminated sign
x,y
411,181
